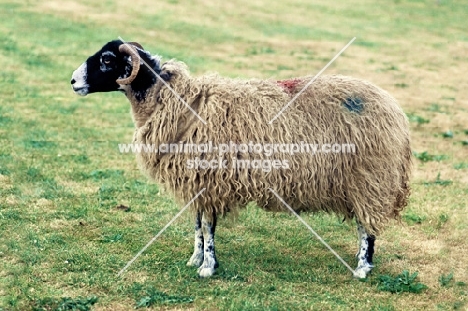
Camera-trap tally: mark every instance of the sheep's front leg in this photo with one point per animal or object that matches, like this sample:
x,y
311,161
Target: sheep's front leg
x,y
197,258
365,252
210,263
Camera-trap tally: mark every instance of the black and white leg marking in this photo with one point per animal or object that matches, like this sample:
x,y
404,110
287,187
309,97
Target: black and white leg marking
x,y
365,252
197,258
210,263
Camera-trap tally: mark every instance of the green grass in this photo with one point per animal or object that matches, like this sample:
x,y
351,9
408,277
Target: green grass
x,y
73,210
445,280
439,181
460,166
404,282
426,157
417,119
412,218
448,134
64,304
152,296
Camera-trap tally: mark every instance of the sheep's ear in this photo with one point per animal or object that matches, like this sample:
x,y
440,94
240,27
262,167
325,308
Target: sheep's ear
x,y
138,45
170,69
165,75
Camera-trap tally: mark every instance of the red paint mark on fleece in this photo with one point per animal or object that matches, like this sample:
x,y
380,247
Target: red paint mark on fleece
x,y
289,85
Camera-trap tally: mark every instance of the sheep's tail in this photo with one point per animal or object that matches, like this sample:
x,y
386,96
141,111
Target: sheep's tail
x,y
405,189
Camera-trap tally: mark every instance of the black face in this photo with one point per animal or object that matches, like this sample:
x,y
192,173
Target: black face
x,y
100,71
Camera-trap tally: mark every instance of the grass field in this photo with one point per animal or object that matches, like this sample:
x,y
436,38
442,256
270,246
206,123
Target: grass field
x,y
62,236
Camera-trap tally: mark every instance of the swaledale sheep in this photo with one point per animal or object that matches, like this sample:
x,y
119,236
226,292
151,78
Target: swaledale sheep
x,y
370,185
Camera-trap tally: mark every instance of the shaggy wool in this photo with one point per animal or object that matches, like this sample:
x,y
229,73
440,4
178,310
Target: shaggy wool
x,y
371,185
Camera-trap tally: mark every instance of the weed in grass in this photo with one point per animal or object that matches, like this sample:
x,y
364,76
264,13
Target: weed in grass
x,y
461,166
464,143
412,218
7,77
39,144
142,188
153,296
113,238
404,282
445,280
57,239
283,67
448,134
426,157
466,132
4,121
81,159
434,107
308,52
417,119
52,190
370,44
449,98
231,277
64,303
77,213
423,156
12,215
6,157
95,175
259,50
15,191
438,181
78,176
401,85
33,174
443,218
458,305
68,110
105,174
106,193
9,45
4,171
439,157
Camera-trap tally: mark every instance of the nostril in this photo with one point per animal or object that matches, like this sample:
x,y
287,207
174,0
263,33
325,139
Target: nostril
x,y
73,81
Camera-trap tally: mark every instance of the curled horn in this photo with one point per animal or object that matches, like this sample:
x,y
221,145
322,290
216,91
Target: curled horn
x,y
138,45
128,49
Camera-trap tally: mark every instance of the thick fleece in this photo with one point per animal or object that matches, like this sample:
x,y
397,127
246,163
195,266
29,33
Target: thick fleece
x,y
371,185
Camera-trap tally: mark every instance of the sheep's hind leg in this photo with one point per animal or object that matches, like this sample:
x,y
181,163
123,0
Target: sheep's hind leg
x,y
365,252
197,258
210,263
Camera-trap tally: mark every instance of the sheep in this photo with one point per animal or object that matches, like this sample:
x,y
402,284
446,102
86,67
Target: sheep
x,y
370,186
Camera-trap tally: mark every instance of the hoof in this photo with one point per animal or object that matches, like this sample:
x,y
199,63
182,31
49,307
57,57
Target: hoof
x,y
196,260
361,272
205,272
